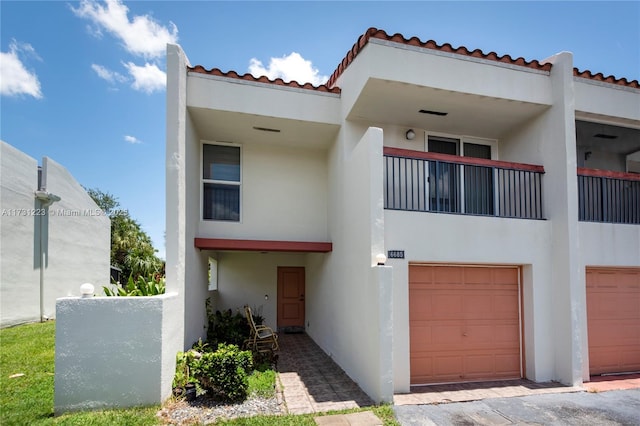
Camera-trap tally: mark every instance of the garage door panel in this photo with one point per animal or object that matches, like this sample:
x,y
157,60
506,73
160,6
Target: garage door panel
x,y
629,359
479,365
447,305
507,335
478,276
505,275
447,364
447,275
447,335
420,337
477,307
423,365
471,330
508,364
506,305
613,319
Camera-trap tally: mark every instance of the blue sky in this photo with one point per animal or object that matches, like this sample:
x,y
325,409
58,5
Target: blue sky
x,y
83,82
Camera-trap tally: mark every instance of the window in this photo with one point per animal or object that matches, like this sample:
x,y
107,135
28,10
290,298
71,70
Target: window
x,y
221,182
459,188
213,274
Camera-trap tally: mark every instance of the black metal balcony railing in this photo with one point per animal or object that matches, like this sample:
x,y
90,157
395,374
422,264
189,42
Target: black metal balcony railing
x,y
430,182
608,197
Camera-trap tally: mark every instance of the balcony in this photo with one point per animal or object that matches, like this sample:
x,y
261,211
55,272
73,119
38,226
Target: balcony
x,y
441,183
608,197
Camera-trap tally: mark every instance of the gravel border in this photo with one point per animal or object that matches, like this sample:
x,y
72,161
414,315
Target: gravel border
x,y
205,410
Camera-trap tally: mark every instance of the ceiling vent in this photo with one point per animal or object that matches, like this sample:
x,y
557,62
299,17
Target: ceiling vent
x,y
438,113
266,129
603,136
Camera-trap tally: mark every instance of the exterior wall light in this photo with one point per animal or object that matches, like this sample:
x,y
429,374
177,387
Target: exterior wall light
x,y
410,135
86,290
381,259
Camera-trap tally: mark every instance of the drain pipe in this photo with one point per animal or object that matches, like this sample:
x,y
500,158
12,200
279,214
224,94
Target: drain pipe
x,y
46,199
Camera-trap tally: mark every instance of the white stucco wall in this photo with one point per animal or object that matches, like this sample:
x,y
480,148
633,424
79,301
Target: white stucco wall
x,y
219,93
608,102
345,295
130,362
178,130
424,67
282,186
75,237
79,246
19,272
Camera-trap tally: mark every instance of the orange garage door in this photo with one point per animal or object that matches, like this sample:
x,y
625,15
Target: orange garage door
x,y
464,323
613,319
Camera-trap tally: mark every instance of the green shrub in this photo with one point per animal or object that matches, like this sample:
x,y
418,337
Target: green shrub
x,y
224,372
143,286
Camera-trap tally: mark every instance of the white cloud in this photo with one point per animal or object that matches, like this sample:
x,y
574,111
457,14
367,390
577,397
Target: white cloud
x,y
141,36
288,68
147,78
132,139
108,75
15,78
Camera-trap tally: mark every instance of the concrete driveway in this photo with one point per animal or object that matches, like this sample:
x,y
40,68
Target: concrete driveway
x,y
618,407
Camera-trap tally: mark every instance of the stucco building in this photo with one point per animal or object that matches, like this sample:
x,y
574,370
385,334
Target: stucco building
x,y
53,237
503,192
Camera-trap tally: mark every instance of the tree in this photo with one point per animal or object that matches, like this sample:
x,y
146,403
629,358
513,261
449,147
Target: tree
x,y
131,248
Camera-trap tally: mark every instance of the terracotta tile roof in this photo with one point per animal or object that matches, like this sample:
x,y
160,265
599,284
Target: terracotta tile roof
x,y
610,79
330,87
492,56
263,79
415,41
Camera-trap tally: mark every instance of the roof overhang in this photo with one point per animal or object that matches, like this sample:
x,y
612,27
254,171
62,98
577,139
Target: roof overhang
x,y
399,103
224,244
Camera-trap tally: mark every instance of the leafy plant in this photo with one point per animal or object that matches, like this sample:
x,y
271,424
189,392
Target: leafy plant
x,y
226,327
184,361
224,372
131,247
143,286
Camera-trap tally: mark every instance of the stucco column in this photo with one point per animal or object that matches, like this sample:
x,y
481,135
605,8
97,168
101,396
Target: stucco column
x,y
176,179
561,206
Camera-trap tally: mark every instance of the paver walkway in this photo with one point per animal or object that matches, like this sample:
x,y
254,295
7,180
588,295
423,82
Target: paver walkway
x,y
311,382
459,392
607,383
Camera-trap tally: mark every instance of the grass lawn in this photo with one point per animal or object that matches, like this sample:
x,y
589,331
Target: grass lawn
x,y
28,399
26,383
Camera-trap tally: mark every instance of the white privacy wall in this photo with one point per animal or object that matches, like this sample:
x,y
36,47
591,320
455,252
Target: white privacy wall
x,y
74,233
19,273
129,362
79,245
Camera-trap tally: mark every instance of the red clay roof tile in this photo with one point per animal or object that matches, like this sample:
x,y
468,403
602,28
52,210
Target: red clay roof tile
x,y
610,79
372,32
263,79
430,44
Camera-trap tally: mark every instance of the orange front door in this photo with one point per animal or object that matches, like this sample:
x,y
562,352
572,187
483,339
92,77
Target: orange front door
x,y
613,319
464,323
290,297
